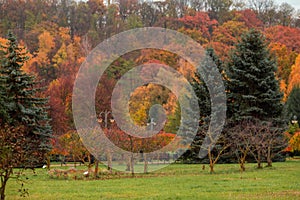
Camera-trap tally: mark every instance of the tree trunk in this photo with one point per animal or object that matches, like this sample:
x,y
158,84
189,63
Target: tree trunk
x,y
242,162
211,162
2,191
96,168
4,180
269,159
242,166
211,166
109,161
145,163
132,164
89,161
74,161
259,161
128,163
48,161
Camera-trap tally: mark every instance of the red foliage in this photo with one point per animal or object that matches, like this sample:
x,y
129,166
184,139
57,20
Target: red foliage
x,y
288,36
249,17
199,21
60,92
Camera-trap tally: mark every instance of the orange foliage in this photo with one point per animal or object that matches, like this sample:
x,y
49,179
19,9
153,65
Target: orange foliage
x,y
25,67
135,144
294,79
3,41
226,36
295,142
70,144
283,89
285,59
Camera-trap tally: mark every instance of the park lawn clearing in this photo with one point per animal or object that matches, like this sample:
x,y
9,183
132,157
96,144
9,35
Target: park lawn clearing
x,y
177,181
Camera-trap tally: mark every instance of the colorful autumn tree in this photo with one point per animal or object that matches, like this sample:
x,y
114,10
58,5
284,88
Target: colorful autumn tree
x,y
60,99
224,37
294,78
12,154
295,142
71,143
285,59
198,26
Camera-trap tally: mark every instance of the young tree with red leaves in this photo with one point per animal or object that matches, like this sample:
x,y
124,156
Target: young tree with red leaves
x,y
12,154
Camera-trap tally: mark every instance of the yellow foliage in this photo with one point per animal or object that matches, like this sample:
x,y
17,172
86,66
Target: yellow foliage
x,y
60,56
65,34
46,44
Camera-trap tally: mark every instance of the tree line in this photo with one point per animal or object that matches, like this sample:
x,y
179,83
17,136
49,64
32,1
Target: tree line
x,y
254,44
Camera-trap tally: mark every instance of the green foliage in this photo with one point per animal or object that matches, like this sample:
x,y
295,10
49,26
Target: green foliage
x,y
293,128
3,105
253,90
201,89
173,121
134,21
293,104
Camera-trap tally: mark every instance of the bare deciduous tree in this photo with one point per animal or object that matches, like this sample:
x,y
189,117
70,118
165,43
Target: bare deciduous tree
x,y
263,140
215,147
241,143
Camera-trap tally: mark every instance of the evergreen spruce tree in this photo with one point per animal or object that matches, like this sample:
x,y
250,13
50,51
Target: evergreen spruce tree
x,y
253,91
22,104
293,104
3,114
211,60
3,109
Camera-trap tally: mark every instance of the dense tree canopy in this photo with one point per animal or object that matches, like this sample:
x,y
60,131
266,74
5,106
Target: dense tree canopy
x,y
60,34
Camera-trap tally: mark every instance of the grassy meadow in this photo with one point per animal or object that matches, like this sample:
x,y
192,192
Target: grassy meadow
x,y
177,181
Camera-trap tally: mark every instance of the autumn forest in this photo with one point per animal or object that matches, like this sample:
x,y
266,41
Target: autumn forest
x,y
57,35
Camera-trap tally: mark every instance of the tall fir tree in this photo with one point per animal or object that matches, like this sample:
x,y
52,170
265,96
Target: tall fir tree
x,y
293,104
23,106
210,61
253,90
3,105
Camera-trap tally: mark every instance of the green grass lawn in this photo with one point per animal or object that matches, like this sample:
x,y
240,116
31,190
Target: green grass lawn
x,y
177,181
